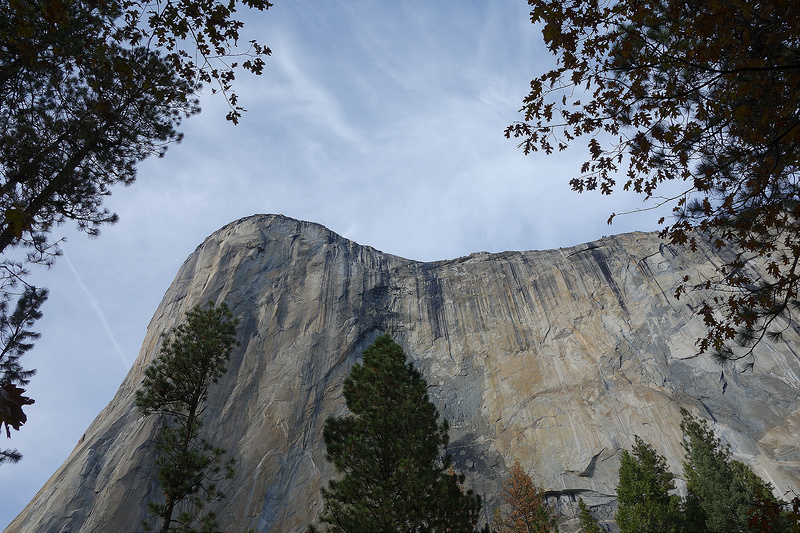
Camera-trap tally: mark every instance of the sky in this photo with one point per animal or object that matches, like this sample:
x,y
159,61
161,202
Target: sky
x,y
381,120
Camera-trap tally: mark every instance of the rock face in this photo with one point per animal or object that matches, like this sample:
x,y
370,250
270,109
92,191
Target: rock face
x,y
554,358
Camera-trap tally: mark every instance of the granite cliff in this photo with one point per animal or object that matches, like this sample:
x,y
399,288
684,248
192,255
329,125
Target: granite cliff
x,y
554,358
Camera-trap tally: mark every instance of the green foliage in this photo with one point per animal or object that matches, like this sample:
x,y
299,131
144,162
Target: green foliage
x,y
176,386
643,497
697,92
726,493
389,450
589,523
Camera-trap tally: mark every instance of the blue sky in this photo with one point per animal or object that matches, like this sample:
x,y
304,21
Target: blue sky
x,y
381,120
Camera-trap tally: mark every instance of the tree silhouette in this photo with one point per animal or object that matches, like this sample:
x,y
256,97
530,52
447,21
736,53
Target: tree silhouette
x,y
390,452
176,386
697,92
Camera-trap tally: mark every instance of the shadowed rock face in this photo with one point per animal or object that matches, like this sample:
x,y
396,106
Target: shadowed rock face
x,y
554,358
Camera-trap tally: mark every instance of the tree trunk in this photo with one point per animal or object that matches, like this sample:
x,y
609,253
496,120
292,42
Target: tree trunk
x,y
167,515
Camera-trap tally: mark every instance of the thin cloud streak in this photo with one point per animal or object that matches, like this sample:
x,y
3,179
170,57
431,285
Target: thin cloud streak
x,y
100,315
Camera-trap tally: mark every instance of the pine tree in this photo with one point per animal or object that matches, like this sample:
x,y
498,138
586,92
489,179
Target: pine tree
x,y
15,334
529,512
645,504
389,450
16,338
724,495
176,386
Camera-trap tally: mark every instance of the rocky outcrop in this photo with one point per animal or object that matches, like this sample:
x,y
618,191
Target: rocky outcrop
x,y
554,358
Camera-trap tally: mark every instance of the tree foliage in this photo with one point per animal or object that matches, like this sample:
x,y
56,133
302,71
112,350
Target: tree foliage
x,y
16,338
724,493
706,93
88,89
529,512
389,449
176,387
11,415
643,493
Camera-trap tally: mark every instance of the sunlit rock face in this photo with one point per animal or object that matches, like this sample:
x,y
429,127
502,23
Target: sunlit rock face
x,y
554,358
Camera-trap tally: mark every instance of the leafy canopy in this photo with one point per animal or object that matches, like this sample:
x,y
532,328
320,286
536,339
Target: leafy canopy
x,y
705,93
176,386
389,450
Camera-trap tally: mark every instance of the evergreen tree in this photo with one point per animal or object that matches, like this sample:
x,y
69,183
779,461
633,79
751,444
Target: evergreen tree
x,y
529,512
176,386
16,338
15,334
645,504
725,494
589,523
389,450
